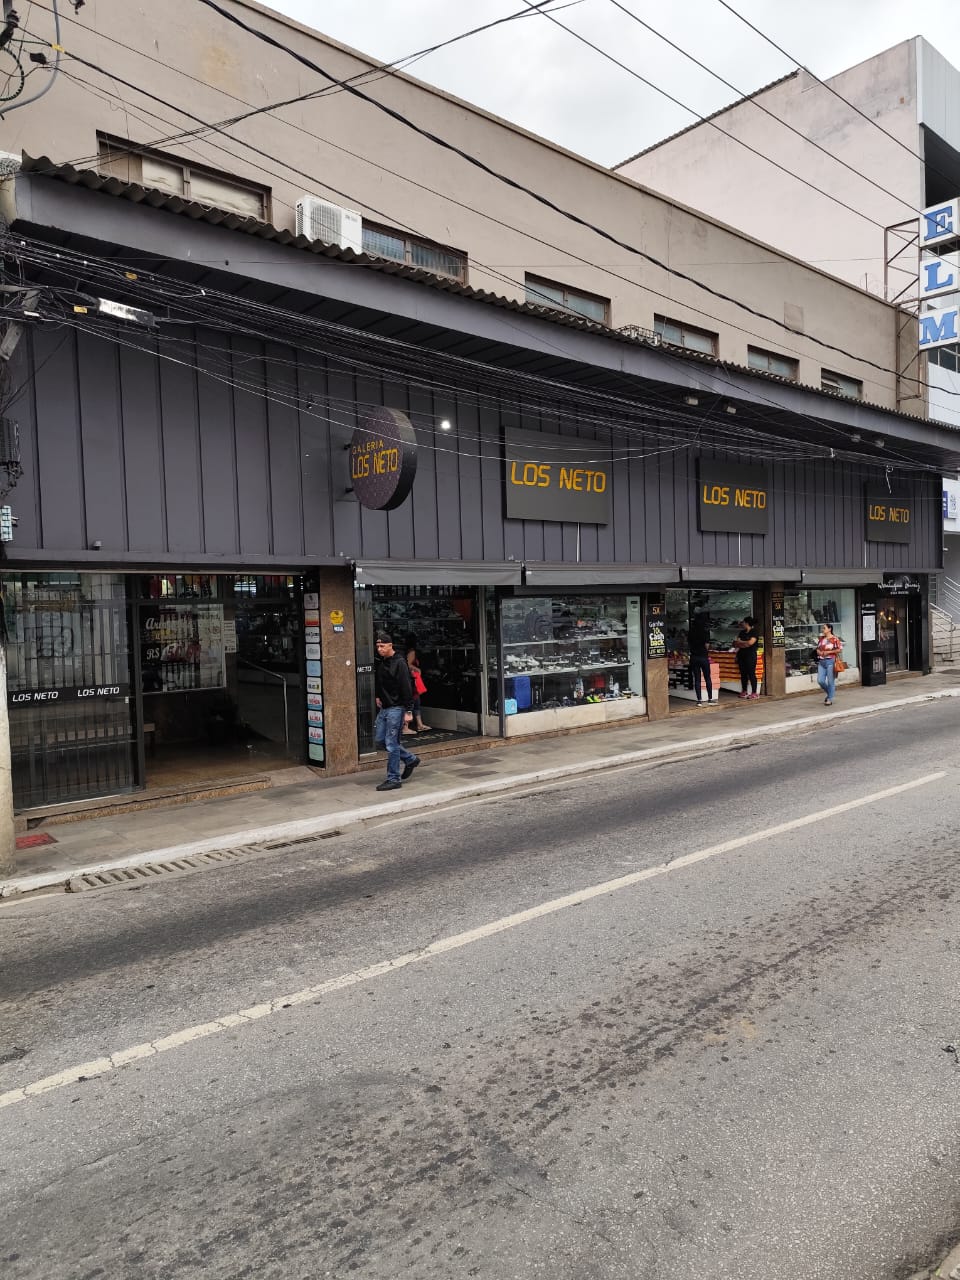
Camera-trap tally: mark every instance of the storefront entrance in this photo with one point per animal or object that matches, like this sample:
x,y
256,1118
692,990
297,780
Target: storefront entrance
x,y
117,682
720,611
220,672
442,625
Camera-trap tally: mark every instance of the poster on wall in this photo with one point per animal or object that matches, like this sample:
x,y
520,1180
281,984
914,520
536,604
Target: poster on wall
x,y
316,747
656,627
181,647
778,635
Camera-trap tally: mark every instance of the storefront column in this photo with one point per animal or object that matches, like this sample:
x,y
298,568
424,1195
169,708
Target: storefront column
x,y
658,689
339,671
774,659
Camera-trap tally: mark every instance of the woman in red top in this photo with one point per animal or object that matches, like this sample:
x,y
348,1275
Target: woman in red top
x,y
828,650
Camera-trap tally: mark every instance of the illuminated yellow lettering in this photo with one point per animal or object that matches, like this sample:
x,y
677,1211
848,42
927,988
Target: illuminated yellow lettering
x,y
716,496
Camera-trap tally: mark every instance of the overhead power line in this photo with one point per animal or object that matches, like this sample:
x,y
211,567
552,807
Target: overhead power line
x,y
836,93
393,358
773,116
451,147
479,212
708,120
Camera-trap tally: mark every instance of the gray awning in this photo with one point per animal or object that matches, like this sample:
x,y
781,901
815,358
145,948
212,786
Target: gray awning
x,y
842,577
437,573
542,574
739,574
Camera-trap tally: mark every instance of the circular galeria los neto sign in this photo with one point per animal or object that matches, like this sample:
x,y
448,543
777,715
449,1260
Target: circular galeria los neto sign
x,y
383,459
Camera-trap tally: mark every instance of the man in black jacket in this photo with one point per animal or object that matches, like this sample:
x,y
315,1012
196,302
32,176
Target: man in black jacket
x,y
394,689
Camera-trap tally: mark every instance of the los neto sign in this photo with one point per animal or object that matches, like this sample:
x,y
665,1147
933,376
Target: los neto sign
x,y
383,459
556,478
889,519
732,498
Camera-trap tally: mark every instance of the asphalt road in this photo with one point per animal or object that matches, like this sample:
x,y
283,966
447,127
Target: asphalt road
x,y
730,1065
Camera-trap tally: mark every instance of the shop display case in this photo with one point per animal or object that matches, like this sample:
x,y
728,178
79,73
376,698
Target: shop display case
x,y
803,611
567,654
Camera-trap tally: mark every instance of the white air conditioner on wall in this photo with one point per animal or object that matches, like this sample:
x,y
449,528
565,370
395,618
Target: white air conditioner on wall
x,y
320,220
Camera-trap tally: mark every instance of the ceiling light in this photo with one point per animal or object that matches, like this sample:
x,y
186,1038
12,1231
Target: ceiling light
x,y
446,425
856,437
692,400
730,408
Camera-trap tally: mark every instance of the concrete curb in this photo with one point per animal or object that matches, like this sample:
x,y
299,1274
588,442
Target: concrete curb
x,y
328,822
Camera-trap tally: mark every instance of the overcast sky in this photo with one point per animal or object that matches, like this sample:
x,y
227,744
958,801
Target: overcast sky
x,y
539,76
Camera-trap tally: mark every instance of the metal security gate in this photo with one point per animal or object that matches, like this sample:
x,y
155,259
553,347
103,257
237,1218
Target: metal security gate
x,y
69,687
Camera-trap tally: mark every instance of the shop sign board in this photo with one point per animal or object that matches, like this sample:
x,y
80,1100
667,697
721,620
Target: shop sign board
x,y
779,626
559,478
78,693
949,504
733,497
939,328
383,459
656,627
900,584
939,275
889,518
940,223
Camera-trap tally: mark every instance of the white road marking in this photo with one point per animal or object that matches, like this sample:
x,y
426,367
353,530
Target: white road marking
x,y
101,1066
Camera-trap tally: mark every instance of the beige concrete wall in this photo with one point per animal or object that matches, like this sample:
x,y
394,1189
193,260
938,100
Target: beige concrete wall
x,y
704,168
358,157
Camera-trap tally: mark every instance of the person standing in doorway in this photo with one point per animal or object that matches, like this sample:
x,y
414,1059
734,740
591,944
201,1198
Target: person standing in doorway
x,y
829,647
699,639
419,689
746,647
394,692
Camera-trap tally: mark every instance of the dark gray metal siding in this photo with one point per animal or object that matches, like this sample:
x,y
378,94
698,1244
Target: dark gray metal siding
x,y
249,464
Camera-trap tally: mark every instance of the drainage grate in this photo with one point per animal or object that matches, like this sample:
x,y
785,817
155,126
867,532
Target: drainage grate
x,y
126,877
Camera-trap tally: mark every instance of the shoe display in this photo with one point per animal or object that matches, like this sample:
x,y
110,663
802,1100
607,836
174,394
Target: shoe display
x,y
389,784
409,768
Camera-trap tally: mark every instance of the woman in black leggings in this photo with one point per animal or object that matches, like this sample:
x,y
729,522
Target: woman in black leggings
x,y
746,647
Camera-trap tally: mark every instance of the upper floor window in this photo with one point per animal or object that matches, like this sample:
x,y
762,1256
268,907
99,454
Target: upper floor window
x,y
397,246
549,293
841,385
679,334
771,362
946,358
183,178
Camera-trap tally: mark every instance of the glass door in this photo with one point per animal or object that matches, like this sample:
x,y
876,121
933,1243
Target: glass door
x,y
366,655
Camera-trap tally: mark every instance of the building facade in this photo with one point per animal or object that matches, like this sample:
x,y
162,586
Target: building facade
x,y
244,450
862,153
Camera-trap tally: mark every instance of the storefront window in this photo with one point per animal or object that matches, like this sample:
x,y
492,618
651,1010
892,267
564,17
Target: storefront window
x,y
442,625
803,612
567,651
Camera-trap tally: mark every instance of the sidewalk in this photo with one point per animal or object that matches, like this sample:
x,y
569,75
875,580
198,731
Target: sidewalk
x,y
313,807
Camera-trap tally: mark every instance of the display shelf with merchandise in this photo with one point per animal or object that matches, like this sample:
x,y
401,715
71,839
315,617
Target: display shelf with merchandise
x,y
566,652
804,611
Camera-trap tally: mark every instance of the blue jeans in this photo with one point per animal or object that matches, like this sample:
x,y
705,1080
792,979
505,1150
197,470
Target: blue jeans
x,y
827,676
386,734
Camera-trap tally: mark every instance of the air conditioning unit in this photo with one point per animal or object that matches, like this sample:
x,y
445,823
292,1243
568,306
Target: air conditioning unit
x,y
320,220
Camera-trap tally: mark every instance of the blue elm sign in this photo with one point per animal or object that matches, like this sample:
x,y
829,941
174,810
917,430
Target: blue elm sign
x,y
939,275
